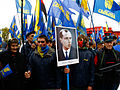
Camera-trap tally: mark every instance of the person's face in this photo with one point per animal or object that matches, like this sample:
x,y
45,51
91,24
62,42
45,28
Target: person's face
x,y
108,45
30,37
41,42
66,40
49,44
14,47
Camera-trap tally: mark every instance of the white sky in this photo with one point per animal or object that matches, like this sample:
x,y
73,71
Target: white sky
x,y
8,10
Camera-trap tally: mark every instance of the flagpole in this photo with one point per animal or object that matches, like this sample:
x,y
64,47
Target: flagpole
x,y
92,22
22,24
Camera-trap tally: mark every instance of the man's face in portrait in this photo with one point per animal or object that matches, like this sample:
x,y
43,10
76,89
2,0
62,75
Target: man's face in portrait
x,y
66,39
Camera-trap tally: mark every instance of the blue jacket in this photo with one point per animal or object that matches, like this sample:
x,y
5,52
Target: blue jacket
x,y
82,74
44,70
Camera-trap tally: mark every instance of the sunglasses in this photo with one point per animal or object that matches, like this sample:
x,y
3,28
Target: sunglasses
x,y
41,41
32,35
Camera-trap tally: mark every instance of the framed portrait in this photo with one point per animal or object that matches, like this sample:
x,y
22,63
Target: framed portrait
x,y
66,45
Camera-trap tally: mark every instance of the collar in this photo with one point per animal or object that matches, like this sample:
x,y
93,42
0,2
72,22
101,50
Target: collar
x,y
68,52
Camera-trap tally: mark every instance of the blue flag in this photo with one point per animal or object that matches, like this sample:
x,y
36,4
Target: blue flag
x,y
13,28
32,25
107,8
59,10
71,4
80,25
6,71
0,37
26,6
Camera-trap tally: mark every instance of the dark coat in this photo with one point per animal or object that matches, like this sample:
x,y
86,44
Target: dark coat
x,y
44,70
72,55
108,79
82,74
15,80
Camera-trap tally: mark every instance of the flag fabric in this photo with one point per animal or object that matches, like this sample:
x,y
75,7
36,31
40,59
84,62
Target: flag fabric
x,y
0,37
101,32
6,71
71,4
106,27
32,25
26,6
107,8
13,28
37,15
25,26
51,28
84,7
59,10
115,6
43,9
80,25
97,35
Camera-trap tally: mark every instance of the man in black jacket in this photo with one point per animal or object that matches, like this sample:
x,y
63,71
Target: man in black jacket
x,y
108,79
82,73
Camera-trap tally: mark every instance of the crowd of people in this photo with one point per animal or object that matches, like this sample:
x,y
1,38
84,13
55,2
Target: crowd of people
x,y
33,65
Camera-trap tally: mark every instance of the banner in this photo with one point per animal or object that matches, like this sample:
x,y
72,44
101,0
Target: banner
x,y
107,8
26,6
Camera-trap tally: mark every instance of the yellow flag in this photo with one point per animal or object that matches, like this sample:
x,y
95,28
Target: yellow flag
x,y
84,5
37,14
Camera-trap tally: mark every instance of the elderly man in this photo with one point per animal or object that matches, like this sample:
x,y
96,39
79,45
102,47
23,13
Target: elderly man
x,y
65,38
107,79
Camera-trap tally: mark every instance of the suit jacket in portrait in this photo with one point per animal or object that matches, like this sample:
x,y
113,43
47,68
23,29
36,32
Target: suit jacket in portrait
x,y
72,54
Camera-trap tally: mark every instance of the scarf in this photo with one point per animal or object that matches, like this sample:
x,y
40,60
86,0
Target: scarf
x,y
42,50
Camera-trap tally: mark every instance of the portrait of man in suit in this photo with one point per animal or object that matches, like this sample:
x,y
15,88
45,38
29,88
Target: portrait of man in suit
x,y
66,49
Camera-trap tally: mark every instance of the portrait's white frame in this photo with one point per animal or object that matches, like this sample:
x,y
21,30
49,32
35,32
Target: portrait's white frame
x,y
71,61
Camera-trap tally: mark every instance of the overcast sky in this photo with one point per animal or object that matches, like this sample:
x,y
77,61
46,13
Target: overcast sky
x,y
8,10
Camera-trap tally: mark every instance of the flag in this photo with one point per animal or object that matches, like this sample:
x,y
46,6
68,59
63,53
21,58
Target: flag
x,y
51,28
115,6
25,26
26,6
107,8
71,4
6,71
97,35
59,10
0,37
32,25
101,32
84,7
80,25
106,27
43,9
13,28
37,15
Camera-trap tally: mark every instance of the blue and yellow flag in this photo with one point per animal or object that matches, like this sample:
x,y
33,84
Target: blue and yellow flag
x,y
32,25
107,8
80,25
59,10
37,15
6,71
13,28
26,6
0,37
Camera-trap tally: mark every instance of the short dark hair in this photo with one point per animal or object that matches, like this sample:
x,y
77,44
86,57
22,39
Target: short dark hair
x,y
43,36
60,34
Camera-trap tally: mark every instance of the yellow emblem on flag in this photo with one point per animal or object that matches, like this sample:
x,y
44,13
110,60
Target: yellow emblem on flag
x,y
108,4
